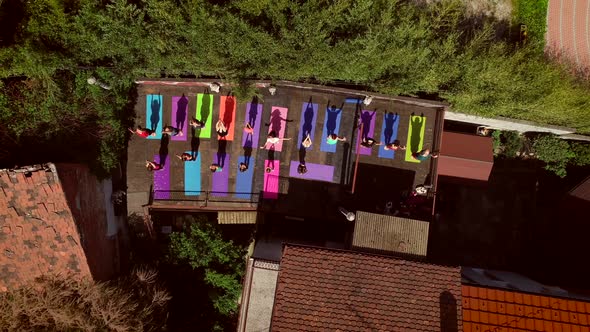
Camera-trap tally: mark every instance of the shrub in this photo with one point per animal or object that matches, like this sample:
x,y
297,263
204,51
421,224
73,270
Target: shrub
x,y
134,303
555,152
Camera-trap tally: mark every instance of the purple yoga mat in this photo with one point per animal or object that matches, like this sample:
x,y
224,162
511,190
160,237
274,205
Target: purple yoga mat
x,y
363,150
183,101
162,179
254,111
314,172
314,116
219,183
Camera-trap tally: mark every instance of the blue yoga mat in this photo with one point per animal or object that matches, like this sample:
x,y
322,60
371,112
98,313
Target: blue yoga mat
x,y
192,176
329,121
153,118
388,118
353,100
244,179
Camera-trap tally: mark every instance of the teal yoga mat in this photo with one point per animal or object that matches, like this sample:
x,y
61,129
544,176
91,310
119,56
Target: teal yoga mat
x,y
153,119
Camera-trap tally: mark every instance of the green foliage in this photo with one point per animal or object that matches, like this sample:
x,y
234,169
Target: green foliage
x,y
555,152
581,153
510,142
532,13
496,140
202,247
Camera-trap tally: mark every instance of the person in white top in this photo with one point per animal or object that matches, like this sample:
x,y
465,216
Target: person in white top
x,y
272,139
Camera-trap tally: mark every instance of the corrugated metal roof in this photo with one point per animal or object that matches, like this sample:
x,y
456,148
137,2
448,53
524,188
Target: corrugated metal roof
x,y
388,234
237,217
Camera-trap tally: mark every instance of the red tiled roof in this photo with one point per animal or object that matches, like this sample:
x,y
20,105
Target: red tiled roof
x,y
37,232
491,310
567,31
332,290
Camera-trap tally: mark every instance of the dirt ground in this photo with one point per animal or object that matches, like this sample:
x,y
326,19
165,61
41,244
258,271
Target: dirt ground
x,y
499,9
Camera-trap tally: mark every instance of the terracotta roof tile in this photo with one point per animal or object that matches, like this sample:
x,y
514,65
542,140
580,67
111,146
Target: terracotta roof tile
x,y
38,234
330,290
517,311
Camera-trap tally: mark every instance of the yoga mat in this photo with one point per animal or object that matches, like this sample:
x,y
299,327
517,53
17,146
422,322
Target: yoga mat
x,y
205,113
415,137
227,113
314,116
314,172
192,176
278,117
244,179
219,183
253,114
271,182
154,115
388,154
162,179
324,146
183,116
363,150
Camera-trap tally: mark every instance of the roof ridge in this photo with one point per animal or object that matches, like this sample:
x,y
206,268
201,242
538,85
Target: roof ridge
x,y
361,253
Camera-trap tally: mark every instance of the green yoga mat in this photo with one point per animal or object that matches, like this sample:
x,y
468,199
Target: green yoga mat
x,y
415,136
205,113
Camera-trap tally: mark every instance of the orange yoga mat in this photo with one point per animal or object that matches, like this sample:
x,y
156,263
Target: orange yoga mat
x,y
227,114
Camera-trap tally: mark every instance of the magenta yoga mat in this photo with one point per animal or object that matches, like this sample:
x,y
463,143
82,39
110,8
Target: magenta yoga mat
x,y
162,179
278,122
271,181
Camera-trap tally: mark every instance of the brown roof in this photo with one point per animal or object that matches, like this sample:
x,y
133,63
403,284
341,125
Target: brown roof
x,y
582,190
567,34
388,234
38,234
333,290
465,156
491,310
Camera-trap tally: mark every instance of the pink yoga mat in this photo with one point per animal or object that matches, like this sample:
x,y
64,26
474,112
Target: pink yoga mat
x,y
365,115
271,181
180,113
278,122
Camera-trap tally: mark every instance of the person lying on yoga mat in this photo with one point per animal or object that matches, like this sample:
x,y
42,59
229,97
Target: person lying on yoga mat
x,y
243,167
143,132
272,139
301,169
185,157
424,155
197,123
171,131
396,145
369,142
215,168
333,139
220,128
152,166
248,129
307,141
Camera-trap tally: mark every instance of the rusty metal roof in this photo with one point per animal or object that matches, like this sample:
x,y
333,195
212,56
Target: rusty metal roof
x,y
465,156
389,234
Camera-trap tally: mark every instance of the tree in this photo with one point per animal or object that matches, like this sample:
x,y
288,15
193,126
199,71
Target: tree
x,y
555,152
202,247
54,303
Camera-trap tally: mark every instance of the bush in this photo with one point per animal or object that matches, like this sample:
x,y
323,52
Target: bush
x,y
135,303
555,152
202,247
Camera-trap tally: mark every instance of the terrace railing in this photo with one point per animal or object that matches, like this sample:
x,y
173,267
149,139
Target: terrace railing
x,y
204,197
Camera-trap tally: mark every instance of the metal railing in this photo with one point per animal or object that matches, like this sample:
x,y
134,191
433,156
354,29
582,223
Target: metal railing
x,y
205,196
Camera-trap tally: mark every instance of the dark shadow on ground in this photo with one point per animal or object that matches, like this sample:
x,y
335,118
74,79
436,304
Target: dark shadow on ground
x,y
181,111
414,144
155,113
229,110
448,312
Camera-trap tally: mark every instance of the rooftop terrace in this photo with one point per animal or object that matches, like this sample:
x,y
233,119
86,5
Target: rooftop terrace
x,y
294,109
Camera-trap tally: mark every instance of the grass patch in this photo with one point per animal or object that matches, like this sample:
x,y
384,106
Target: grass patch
x,y
533,14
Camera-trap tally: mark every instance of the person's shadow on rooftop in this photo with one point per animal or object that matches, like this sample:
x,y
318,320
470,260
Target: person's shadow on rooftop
x,y
253,112
448,312
366,119
182,105
163,151
155,114
417,122
333,113
230,102
205,111
221,152
307,121
390,119
276,121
